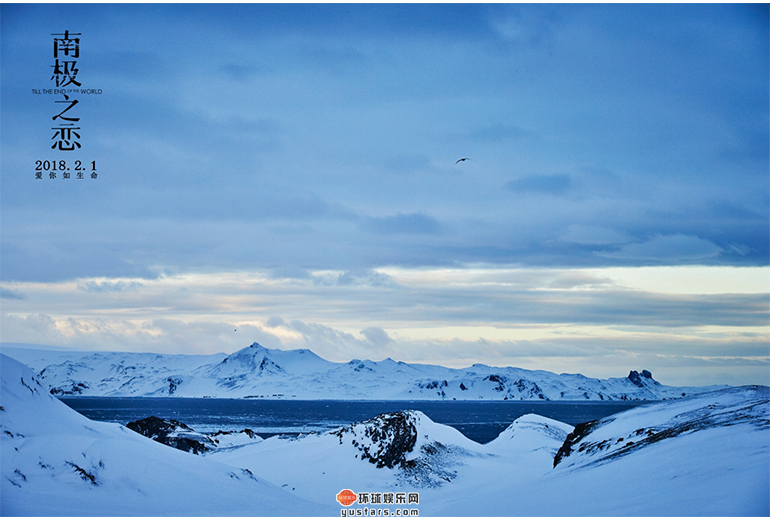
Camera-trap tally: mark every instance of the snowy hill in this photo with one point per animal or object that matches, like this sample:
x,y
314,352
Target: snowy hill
x,y
618,436
259,372
56,462
399,452
712,457
706,455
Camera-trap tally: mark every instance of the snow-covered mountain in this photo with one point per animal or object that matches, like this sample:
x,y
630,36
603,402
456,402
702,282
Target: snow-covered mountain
x,y
259,372
706,455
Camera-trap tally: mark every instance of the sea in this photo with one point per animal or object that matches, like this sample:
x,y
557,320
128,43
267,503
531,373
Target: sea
x,y
481,421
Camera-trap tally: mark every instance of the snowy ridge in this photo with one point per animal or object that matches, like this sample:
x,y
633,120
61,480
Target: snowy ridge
x,y
600,441
259,372
532,432
706,455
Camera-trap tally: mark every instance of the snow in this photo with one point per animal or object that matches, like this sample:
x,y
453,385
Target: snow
x,y
706,455
56,462
259,372
721,467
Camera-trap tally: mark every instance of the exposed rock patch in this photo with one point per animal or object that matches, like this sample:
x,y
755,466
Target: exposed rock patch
x,y
397,441
638,379
180,436
172,433
384,440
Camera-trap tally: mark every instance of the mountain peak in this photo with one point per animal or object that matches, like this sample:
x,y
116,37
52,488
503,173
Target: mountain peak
x,y
254,359
638,379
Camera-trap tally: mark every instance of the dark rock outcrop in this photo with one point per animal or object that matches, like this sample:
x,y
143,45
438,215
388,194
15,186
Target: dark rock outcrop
x,y
173,383
384,440
574,438
636,378
390,441
72,389
172,433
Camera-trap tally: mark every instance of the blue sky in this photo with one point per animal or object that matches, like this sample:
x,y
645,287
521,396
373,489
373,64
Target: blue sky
x,y
289,171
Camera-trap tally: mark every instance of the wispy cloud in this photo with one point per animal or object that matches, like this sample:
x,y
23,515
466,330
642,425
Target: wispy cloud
x,y
119,286
554,184
410,224
679,248
10,295
500,132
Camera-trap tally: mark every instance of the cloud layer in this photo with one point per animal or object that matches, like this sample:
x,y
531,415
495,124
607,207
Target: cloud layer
x,y
598,321
266,162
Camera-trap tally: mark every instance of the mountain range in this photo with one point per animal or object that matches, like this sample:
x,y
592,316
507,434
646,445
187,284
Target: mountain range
x,y
259,372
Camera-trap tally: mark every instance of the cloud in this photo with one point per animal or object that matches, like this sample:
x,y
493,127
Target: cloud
x,y
290,272
594,235
10,295
377,337
670,249
275,321
334,112
333,343
573,351
32,328
365,277
406,163
119,286
338,61
155,335
500,132
405,224
555,184
240,72
320,148
526,27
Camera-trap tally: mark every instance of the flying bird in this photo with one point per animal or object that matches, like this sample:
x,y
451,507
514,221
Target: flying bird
x,y
463,159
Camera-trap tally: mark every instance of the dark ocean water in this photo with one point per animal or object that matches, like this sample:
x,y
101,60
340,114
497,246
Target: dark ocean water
x,y
481,421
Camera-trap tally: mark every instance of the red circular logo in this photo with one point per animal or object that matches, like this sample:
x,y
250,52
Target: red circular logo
x,y
346,497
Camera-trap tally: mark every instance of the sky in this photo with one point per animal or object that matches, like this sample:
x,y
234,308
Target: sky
x,y
288,174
